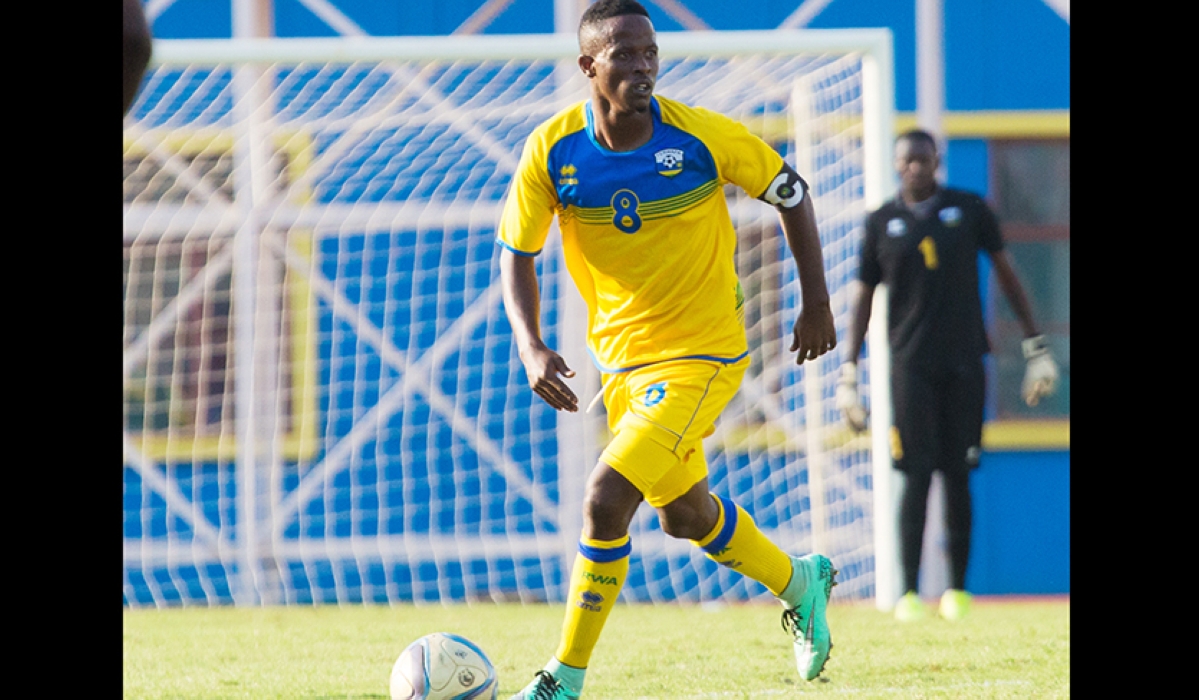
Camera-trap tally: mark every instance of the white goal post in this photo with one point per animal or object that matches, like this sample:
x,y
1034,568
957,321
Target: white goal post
x,y
322,400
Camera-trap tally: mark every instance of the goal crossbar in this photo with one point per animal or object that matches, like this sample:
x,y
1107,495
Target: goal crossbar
x,y
875,41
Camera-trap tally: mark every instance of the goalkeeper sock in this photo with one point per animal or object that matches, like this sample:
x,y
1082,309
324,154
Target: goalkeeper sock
x,y
736,542
599,571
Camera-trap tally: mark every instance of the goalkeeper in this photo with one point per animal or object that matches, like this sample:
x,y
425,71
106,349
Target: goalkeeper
x,y
636,182
924,246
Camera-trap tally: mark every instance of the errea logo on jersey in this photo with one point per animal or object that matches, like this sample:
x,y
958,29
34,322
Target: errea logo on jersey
x,y
896,227
567,175
669,161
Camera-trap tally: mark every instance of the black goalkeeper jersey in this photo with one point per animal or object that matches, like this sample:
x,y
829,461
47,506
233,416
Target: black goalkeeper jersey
x,y
928,258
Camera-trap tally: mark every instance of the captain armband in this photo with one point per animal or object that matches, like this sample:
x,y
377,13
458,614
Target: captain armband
x,y
786,191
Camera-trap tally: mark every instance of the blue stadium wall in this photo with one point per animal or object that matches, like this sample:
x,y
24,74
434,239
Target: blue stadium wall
x,y
1009,59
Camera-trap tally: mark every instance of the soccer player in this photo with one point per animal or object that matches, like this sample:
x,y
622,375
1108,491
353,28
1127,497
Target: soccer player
x,y
924,245
135,52
635,180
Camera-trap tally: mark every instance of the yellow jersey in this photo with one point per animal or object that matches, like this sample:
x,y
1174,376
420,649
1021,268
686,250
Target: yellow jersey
x,y
646,234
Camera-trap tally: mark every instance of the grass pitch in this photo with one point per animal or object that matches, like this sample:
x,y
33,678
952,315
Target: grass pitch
x,y
1006,648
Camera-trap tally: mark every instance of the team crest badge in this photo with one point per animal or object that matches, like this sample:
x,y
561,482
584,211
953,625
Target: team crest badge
x,y
669,161
896,227
951,216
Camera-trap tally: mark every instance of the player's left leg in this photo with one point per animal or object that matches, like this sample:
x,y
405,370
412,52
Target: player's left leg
x,y
730,537
693,396
681,401
955,601
962,421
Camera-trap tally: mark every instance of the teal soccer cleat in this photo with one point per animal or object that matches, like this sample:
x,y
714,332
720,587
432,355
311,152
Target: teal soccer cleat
x,y
806,621
545,687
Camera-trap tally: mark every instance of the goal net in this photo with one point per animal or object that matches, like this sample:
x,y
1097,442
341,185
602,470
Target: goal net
x,y
323,403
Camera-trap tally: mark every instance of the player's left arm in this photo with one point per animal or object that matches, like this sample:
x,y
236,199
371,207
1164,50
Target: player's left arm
x,y
814,333
136,51
1013,290
1040,371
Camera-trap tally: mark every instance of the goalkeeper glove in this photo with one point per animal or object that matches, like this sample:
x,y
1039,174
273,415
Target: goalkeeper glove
x,y
848,401
1040,370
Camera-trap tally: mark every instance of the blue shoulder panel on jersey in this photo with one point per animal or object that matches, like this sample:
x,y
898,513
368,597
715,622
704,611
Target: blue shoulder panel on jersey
x,y
670,165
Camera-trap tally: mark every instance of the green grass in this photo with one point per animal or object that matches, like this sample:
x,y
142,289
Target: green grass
x,y
1004,649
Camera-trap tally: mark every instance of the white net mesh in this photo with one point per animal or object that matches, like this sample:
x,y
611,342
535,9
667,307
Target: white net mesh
x,y
323,402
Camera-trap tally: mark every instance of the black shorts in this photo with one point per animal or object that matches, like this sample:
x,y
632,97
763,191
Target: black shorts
x,y
938,418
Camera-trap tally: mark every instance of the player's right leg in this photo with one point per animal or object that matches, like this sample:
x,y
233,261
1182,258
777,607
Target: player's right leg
x,y
913,511
914,442
598,574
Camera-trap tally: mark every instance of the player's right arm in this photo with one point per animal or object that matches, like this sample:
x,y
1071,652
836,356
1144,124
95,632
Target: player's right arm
x,y
544,367
524,227
847,398
861,303
862,296
870,275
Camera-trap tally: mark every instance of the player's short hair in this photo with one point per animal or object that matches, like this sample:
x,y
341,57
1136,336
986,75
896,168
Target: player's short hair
x,y
607,9
917,135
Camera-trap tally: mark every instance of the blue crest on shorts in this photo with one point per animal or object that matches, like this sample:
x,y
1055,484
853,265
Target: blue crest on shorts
x,y
654,393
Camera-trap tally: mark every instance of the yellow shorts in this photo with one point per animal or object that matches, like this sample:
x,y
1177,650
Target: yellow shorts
x,y
659,415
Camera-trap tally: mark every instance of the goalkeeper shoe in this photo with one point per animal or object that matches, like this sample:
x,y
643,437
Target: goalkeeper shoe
x,y
954,604
910,608
545,687
805,622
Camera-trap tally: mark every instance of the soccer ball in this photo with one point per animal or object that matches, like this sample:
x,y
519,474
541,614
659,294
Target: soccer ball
x,y
442,666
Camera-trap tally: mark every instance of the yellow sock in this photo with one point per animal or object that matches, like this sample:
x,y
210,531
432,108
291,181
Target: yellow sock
x,y
599,572
736,542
